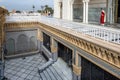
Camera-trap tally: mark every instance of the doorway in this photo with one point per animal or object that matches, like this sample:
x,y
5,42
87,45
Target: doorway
x,y
65,53
91,71
118,20
46,41
117,11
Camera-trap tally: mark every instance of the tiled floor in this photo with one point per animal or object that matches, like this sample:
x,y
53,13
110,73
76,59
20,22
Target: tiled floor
x,y
27,69
24,69
59,70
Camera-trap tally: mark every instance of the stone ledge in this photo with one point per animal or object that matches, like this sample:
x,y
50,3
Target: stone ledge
x,y
21,55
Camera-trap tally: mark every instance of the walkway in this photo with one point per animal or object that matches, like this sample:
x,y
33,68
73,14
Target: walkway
x,y
27,69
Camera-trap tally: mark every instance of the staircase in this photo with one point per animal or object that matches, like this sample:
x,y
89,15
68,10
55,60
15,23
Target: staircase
x,y
58,70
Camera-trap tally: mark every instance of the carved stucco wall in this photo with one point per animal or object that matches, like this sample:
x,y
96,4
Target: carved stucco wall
x,y
21,41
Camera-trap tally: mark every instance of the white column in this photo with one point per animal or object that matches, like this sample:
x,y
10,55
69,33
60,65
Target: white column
x,y
71,9
110,13
86,21
56,9
84,12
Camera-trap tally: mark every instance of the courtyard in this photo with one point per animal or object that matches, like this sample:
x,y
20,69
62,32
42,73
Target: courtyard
x,y
26,68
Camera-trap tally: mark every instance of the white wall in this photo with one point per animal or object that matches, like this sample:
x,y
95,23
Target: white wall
x,y
56,9
66,10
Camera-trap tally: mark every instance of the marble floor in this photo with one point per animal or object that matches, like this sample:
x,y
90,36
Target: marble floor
x,y
24,68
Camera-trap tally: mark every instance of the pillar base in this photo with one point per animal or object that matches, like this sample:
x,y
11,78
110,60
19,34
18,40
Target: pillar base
x,y
54,56
75,77
76,72
40,46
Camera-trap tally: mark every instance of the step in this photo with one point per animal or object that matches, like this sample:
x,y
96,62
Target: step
x,y
55,73
60,72
44,66
61,65
47,75
66,71
51,75
43,77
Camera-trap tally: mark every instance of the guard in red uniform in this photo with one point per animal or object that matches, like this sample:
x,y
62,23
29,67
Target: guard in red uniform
x,y
102,17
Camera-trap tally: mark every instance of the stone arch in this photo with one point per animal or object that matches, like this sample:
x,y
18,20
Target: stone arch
x,y
10,46
100,53
106,55
91,48
95,50
112,58
87,46
33,43
22,43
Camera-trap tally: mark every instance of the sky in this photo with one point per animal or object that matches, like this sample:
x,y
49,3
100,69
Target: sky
x,y
23,5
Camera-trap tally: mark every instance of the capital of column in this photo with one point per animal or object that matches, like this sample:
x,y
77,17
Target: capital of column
x,y
76,70
72,1
86,1
53,49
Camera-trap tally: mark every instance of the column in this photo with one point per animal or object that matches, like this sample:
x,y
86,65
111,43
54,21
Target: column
x,y
56,9
77,67
71,9
54,48
85,11
40,40
86,21
110,11
84,17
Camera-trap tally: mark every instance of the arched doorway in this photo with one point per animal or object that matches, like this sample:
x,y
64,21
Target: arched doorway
x,y
10,46
33,43
22,43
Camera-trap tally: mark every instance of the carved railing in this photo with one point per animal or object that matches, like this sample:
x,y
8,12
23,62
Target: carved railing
x,y
108,52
